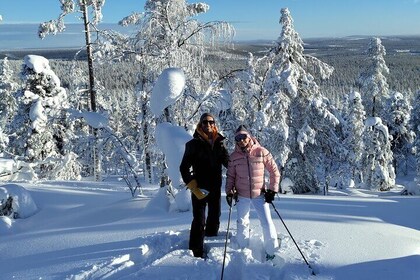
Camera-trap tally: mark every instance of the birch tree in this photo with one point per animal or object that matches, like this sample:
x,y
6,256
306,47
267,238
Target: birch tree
x,y
58,25
168,35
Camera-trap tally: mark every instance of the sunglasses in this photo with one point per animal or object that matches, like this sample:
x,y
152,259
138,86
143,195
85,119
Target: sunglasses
x,y
240,137
205,122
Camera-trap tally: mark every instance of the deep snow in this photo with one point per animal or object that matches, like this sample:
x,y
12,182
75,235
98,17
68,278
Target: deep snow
x,y
95,230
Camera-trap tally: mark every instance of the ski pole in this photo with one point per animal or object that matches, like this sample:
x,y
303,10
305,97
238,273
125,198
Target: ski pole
x,y
278,214
227,236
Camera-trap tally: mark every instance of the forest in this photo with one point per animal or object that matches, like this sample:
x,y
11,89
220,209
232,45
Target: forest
x,y
335,112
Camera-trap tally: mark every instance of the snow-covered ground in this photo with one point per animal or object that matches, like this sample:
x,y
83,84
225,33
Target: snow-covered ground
x,y
95,230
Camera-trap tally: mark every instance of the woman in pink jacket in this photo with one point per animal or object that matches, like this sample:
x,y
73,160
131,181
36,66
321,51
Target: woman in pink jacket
x,y
245,179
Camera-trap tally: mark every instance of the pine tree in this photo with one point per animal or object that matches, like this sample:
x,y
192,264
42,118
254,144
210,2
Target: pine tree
x,y
372,81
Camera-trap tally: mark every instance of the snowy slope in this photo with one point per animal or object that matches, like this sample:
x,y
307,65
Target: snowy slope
x,y
88,230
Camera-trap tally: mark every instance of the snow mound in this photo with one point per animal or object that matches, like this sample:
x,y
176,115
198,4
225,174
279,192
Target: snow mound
x,y
23,204
183,200
287,185
159,203
171,140
168,88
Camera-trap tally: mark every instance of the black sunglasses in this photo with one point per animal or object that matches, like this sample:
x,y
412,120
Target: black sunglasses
x,y
207,122
240,137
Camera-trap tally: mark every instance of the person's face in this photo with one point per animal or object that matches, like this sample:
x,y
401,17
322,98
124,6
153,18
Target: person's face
x,y
207,125
242,140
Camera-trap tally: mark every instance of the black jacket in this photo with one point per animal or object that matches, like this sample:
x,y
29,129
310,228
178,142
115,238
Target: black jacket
x,y
204,163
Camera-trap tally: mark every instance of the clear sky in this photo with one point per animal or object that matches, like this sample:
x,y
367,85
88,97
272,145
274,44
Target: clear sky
x,y
259,19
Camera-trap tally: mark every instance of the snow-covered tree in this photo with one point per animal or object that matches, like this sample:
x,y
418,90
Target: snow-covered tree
x,y
57,25
4,141
67,7
378,173
286,110
372,81
398,116
353,128
415,124
7,89
40,129
168,36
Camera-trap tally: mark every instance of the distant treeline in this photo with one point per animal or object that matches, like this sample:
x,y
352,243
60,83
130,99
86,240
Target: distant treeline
x,y
345,55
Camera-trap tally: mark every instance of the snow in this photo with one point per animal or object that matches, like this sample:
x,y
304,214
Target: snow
x,y
95,230
95,120
36,62
377,123
372,121
171,140
37,115
15,170
23,204
223,100
41,65
167,89
354,95
6,165
81,230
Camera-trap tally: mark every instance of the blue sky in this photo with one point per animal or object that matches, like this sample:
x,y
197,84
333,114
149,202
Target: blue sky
x,y
258,19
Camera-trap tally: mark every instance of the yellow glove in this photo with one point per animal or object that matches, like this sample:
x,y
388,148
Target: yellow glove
x,y
200,194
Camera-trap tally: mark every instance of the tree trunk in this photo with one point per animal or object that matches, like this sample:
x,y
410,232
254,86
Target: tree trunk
x,y
96,151
147,155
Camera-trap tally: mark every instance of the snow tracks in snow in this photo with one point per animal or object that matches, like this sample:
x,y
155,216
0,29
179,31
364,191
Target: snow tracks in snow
x,y
165,255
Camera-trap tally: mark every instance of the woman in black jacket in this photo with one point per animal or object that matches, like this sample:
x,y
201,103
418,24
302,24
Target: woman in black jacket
x,y
201,170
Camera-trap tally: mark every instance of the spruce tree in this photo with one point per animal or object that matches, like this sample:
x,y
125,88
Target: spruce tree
x,y
415,124
372,81
378,171
40,125
353,128
7,90
398,116
291,117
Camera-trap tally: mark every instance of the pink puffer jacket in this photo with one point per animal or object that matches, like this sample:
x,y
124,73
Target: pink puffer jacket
x,y
246,171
